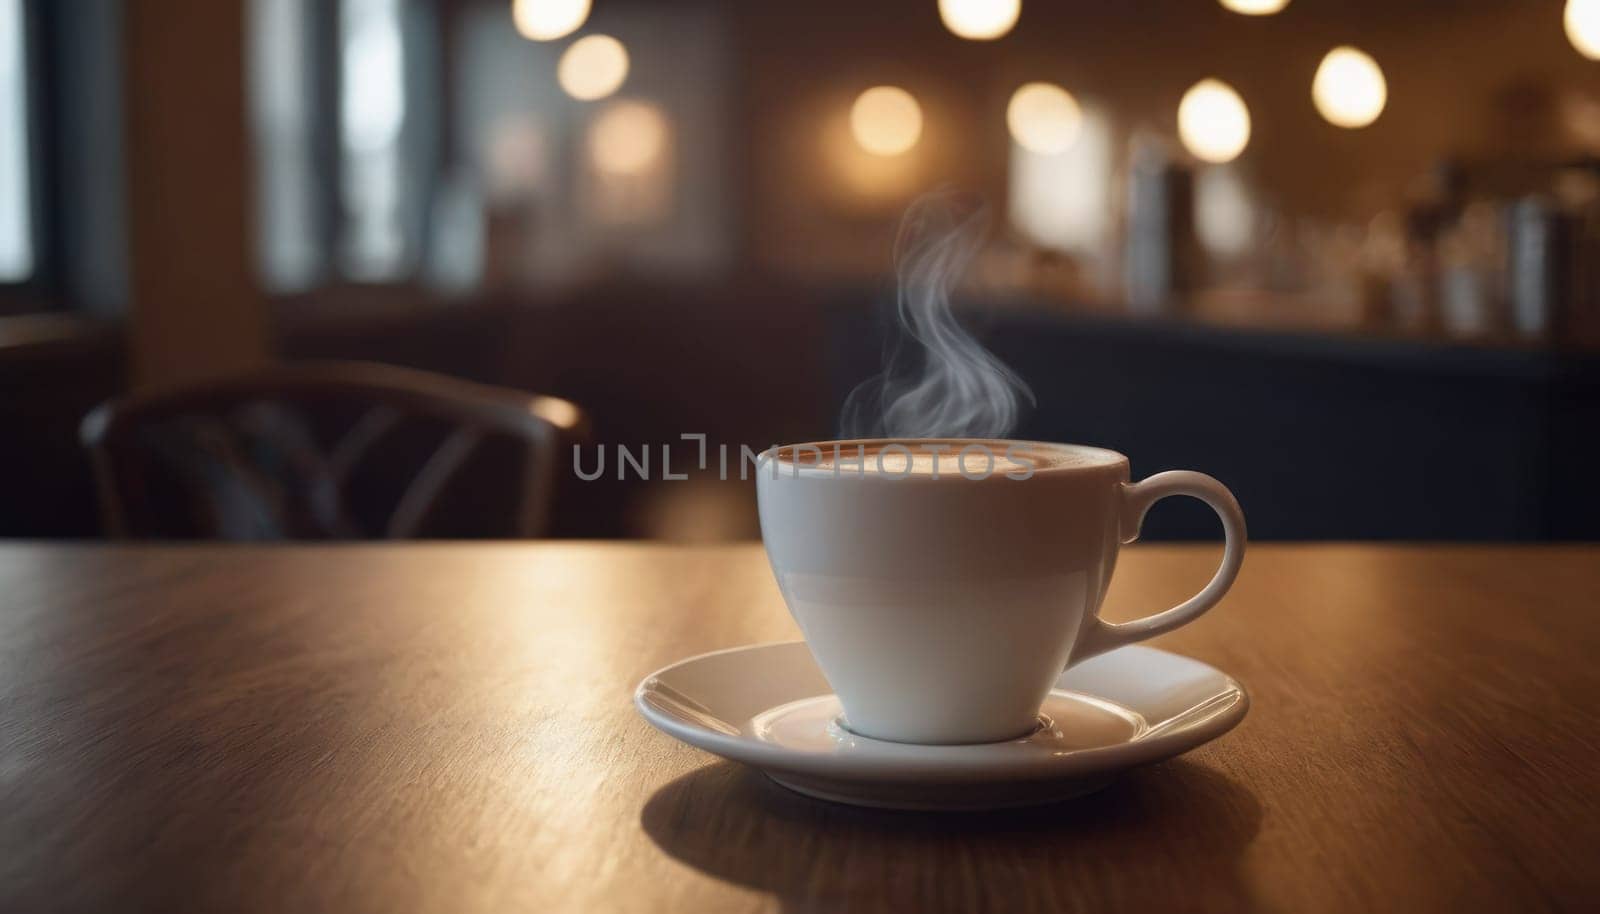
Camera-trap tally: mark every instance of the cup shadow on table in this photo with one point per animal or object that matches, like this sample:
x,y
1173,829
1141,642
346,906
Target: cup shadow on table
x,y
1163,837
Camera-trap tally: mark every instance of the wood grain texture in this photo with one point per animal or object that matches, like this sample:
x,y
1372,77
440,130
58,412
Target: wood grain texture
x,y
448,728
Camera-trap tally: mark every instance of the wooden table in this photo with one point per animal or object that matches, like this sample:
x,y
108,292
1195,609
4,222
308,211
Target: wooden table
x,y
448,728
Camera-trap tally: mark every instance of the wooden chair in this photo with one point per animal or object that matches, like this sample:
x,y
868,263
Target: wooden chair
x,y
328,450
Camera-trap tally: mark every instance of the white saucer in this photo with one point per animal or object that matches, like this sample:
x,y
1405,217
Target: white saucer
x,y
768,705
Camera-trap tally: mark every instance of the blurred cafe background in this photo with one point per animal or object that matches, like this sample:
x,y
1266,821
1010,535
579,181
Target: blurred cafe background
x,y
337,268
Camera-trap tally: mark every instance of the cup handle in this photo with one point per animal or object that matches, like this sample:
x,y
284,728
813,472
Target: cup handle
x,y
1101,636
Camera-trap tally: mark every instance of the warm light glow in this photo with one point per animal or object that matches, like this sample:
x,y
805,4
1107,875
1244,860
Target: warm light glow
x,y
594,67
1213,121
1255,7
547,20
1044,118
1063,201
979,20
560,413
628,138
1583,26
1349,88
886,120
864,182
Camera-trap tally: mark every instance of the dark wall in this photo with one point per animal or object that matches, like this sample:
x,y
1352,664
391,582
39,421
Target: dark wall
x,y
45,390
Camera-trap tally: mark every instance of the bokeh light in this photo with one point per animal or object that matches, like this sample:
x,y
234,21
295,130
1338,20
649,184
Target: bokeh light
x,y
1349,89
886,120
1213,121
1582,20
594,67
980,20
547,20
1063,202
517,157
1255,7
1044,118
628,138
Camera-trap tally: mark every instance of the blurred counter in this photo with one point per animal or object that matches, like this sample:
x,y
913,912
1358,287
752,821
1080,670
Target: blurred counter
x,y
1321,436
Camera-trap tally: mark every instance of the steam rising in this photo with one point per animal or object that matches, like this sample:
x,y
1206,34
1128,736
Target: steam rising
x,y
937,382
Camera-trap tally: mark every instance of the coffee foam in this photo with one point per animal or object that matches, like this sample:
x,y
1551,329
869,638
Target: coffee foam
x,y
942,458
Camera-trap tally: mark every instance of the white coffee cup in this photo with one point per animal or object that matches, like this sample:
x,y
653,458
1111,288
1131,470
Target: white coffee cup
x,y
942,601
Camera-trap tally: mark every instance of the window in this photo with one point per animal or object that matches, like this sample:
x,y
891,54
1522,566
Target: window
x,y
342,112
572,189
372,111
283,85
16,178
356,182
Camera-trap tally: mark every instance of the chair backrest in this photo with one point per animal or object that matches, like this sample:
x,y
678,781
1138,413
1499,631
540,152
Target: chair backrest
x,y
328,450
